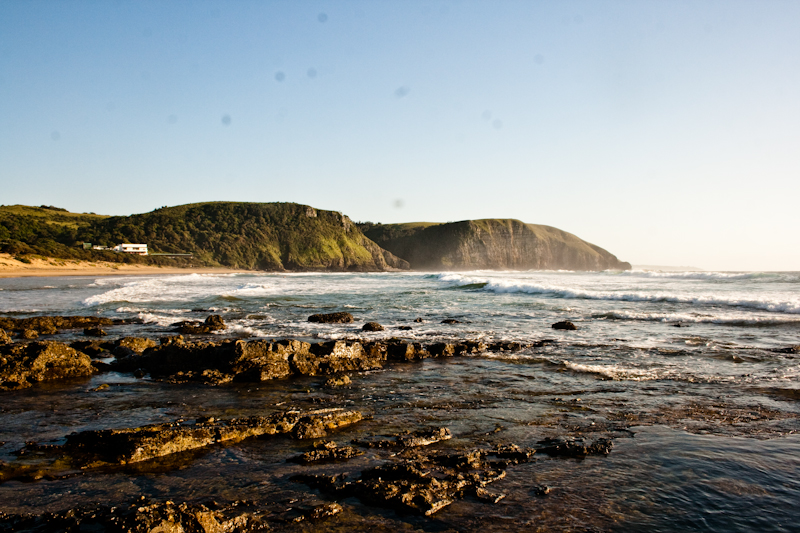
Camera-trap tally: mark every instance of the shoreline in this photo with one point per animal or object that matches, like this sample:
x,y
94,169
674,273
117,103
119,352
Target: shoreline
x,y
53,267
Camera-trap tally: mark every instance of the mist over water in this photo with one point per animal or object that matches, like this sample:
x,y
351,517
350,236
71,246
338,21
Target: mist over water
x,y
690,372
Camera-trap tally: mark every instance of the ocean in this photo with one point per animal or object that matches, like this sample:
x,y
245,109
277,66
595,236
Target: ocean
x,y
693,375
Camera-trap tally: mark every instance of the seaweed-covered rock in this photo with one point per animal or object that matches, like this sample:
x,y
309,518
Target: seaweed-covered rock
x,y
332,318
564,325
94,332
574,447
327,452
372,326
5,338
24,364
48,325
136,344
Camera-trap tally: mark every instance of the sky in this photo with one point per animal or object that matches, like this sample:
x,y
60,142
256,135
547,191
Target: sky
x,y
665,132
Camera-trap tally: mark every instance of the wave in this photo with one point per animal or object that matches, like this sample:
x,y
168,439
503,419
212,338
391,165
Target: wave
x,y
732,320
515,286
615,372
694,275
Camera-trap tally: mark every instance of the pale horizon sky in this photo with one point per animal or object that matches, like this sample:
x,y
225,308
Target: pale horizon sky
x,y
665,132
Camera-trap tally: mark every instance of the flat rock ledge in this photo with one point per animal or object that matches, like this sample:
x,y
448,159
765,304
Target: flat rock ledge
x,y
115,447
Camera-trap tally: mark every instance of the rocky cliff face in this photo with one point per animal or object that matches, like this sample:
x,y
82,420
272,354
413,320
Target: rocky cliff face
x,y
490,244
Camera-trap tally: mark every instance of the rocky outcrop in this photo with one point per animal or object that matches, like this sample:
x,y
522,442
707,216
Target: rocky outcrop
x,y
565,325
22,364
211,324
332,318
490,244
32,327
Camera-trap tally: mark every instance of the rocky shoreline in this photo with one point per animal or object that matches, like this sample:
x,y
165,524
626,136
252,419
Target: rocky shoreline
x,y
416,471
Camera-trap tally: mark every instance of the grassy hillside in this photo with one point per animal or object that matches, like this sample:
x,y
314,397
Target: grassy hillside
x,y
489,244
268,236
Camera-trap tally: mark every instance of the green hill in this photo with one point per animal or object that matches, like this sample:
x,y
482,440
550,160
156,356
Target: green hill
x,y
259,236
490,244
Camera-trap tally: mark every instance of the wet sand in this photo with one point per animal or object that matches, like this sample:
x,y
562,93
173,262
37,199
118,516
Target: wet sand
x,y
11,268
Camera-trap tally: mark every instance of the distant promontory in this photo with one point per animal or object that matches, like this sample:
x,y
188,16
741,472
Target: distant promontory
x,y
490,244
292,237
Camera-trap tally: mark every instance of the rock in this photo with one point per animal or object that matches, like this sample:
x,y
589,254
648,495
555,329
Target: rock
x,y
99,448
450,321
541,490
211,324
5,338
332,318
92,348
407,486
48,325
29,334
422,437
99,388
332,357
338,382
328,454
143,517
372,326
486,496
398,350
94,332
24,364
442,349
504,346
565,325
136,344
788,349
574,447
418,320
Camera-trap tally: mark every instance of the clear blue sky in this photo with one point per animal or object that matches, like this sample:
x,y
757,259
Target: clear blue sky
x,y
665,132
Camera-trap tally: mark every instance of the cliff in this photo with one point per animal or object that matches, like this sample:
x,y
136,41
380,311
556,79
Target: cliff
x,y
490,244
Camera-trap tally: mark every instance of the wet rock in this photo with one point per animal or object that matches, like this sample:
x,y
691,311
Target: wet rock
x,y
5,338
487,496
505,346
338,381
211,324
442,349
333,357
92,348
543,342
574,447
398,350
100,448
332,318
418,320
318,423
136,344
564,325
407,486
28,334
48,325
99,388
470,348
24,364
541,490
94,332
788,349
372,326
422,437
404,328
143,517
451,321
328,452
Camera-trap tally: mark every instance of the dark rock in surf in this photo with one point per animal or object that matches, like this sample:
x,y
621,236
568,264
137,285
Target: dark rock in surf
x,y
574,447
28,334
5,338
504,346
450,321
49,325
418,320
788,349
564,325
94,332
332,318
136,344
211,324
328,452
404,328
21,365
372,326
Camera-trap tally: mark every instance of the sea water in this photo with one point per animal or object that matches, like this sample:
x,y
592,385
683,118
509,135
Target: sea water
x,y
691,373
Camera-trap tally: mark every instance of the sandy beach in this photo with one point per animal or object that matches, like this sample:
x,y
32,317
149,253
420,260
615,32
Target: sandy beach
x,y
11,268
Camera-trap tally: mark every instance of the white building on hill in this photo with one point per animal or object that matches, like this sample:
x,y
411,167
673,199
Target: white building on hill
x,y
138,249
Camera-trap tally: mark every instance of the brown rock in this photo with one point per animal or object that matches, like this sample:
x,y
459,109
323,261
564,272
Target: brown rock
x,y
372,326
564,325
24,364
332,318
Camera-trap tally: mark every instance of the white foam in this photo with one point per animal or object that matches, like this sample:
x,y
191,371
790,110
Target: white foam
x,y
734,319
615,372
774,304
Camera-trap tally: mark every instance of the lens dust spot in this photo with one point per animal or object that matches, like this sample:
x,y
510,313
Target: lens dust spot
x,y
322,17
172,119
398,204
280,76
226,120
55,135
402,91
312,73
538,59
497,123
